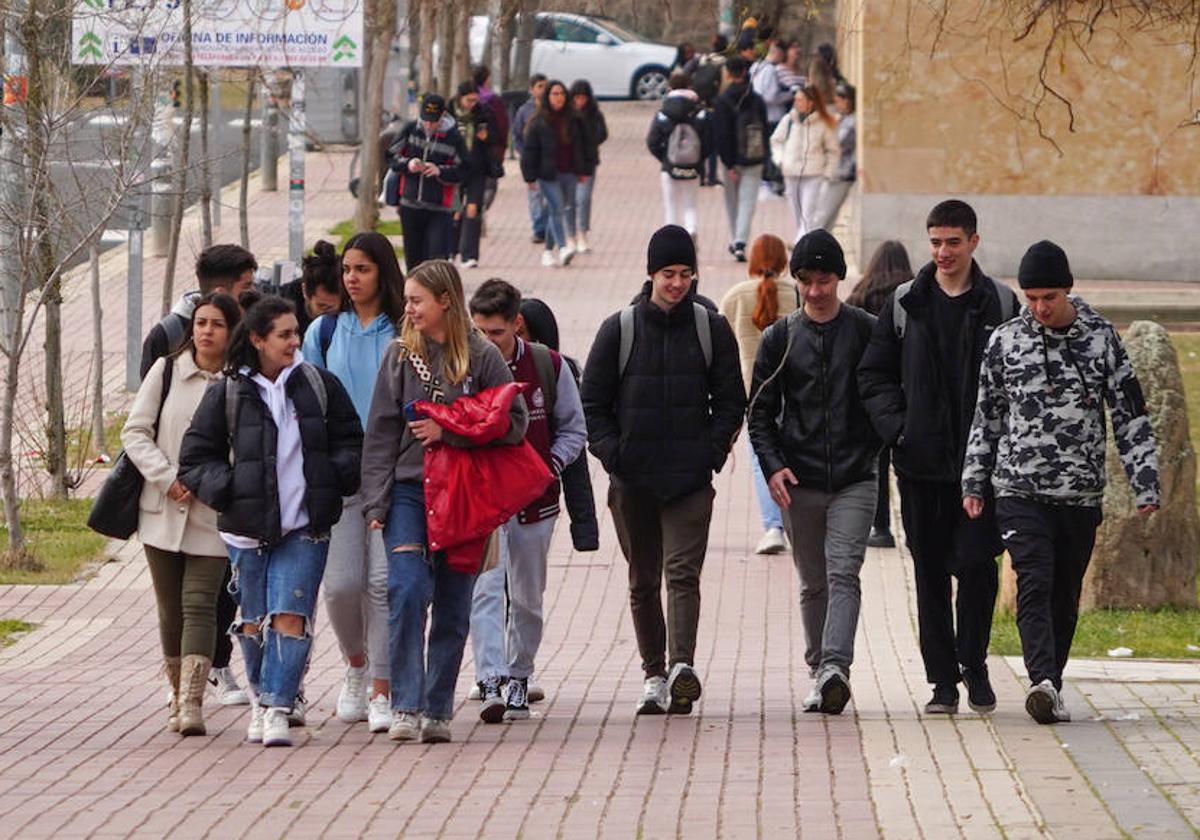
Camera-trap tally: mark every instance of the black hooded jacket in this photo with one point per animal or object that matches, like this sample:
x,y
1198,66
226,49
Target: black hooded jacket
x,y
676,109
667,423
906,386
806,413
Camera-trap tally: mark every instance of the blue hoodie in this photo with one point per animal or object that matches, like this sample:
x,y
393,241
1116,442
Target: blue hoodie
x,y
355,354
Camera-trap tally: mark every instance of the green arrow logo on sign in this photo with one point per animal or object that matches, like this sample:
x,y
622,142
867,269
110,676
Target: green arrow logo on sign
x,y
89,46
95,4
344,48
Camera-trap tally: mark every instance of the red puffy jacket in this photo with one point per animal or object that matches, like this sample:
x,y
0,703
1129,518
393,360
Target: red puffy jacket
x,y
470,492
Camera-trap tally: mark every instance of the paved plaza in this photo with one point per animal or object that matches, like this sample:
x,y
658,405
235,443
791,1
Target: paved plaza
x,y
84,751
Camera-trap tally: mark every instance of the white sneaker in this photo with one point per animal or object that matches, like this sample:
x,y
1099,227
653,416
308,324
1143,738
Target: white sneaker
x,y
470,264
435,731
254,732
379,713
405,727
298,716
548,260
229,693
275,731
683,689
654,697
352,699
565,255
774,541
536,693
474,694
1044,704
812,703
581,244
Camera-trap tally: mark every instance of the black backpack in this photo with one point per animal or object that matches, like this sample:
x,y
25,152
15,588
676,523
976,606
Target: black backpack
x,y
751,134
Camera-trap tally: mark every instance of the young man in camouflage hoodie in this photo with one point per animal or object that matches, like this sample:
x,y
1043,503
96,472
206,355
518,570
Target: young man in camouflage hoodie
x,y
1038,441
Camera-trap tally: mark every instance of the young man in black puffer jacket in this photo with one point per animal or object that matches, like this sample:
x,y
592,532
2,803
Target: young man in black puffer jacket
x,y
663,397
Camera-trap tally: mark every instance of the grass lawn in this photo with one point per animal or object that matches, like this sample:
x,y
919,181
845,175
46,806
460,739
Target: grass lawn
x,y
58,536
388,227
1158,634
11,629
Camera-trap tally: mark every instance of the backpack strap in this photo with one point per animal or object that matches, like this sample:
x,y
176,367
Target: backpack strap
x,y
899,313
703,332
1007,301
325,335
168,371
175,327
317,384
543,362
626,321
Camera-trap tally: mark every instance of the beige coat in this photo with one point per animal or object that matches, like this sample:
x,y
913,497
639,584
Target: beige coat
x,y
192,527
738,308
805,148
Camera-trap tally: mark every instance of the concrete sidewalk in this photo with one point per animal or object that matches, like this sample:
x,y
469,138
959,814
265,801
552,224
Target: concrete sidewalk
x,y
83,751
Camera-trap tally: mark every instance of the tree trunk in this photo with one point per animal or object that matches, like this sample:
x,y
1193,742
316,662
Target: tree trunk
x,y
525,30
381,29
244,191
428,18
99,445
447,13
206,193
502,41
8,472
462,46
168,289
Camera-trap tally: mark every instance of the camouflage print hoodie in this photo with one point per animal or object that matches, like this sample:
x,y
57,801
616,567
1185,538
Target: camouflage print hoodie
x,y
1039,426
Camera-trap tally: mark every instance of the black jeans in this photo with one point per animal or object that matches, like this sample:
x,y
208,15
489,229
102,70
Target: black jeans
x,y
1050,547
944,542
883,507
426,235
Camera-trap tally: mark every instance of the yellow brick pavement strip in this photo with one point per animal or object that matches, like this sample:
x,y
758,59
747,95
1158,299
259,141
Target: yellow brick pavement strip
x,y
83,752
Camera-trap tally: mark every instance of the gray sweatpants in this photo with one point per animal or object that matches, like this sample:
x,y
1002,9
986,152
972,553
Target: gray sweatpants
x,y
829,539
356,588
507,648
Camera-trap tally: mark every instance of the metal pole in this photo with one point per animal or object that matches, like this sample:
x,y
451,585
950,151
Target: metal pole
x,y
163,135
12,175
296,134
269,139
215,120
133,311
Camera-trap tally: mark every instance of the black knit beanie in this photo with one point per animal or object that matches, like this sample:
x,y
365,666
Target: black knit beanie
x,y
1045,266
432,107
670,245
819,251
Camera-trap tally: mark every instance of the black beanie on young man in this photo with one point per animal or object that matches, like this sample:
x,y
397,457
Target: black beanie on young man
x,y
1045,266
432,107
670,245
817,250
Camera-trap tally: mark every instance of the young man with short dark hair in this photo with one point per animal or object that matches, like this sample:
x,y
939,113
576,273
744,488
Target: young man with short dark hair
x,y
219,268
558,432
1037,447
537,205
918,379
664,398
814,440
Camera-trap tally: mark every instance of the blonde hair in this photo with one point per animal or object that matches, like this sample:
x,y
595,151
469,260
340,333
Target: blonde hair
x,y
441,279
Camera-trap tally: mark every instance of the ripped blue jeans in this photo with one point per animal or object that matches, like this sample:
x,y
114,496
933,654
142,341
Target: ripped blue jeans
x,y
267,582
423,678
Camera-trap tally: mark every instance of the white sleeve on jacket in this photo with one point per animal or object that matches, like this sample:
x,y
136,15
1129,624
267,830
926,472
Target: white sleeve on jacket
x,y
138,435
570,428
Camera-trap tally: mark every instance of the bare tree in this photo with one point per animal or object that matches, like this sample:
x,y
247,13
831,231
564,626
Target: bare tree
x,y
244,188
427,15
206,193
181,170
462,46
447,14
98,436
381,29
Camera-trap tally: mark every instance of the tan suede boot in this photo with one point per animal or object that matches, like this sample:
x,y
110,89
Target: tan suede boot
x,y
172,665
193,679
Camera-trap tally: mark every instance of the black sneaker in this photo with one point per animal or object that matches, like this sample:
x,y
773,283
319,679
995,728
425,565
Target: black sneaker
x,y
518,699
944,701
835,693
491,704
683,689
739,252
537,240
980,696
881,538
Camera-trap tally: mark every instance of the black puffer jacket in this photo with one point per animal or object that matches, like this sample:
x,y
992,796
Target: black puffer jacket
x,y
668,423
734,100
904,385
539,157
245,494
806,414
678,107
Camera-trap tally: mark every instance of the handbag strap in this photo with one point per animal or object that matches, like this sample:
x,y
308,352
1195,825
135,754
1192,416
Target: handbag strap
x,y
433,388
168,370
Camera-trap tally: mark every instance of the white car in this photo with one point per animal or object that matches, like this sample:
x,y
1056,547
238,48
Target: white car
x,y
619,64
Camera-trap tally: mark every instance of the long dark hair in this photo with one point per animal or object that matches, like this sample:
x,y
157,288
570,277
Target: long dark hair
x,y
258,321
229,308
379,250
887,269
584,87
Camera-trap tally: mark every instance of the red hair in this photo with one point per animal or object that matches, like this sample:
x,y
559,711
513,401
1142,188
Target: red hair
x,y
768,259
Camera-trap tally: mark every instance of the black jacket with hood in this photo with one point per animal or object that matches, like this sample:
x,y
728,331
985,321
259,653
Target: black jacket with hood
x,y
539,156
737,98
806,413
679,106
667,423
904,383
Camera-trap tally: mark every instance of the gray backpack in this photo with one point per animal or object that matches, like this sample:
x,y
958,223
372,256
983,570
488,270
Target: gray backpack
x,y
703,333
232,399
900,314
683,146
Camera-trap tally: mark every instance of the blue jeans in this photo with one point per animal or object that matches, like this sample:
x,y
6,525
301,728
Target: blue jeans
x,y
537,212
418,580
559,196
583,203
772,515
267,582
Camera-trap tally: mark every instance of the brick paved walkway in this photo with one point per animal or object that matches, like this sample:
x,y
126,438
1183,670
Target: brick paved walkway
x,y
83,751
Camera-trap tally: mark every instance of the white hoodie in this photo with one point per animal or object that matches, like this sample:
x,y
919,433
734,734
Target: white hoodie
x,y
289,454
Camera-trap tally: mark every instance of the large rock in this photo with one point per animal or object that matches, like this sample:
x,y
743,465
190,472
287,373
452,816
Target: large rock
x,y
1145,562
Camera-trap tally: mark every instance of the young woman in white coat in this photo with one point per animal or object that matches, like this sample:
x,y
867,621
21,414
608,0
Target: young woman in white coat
x,y
806,145
185,553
